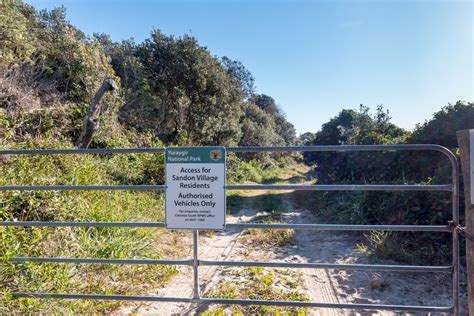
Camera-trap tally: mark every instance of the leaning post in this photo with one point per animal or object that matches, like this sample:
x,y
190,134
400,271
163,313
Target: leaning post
x,y
466,146
91,122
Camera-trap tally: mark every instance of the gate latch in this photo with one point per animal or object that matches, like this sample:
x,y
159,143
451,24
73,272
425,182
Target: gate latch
x,y
461,230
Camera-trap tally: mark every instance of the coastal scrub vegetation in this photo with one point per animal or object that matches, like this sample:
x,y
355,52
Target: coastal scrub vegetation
x,y
360,127
172,92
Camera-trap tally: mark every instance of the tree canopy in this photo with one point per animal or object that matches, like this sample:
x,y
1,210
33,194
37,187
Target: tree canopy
x,y
171,87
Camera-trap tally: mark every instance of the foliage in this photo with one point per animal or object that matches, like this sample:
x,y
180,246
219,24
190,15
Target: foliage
x,y
266,103
306,138
441,129
424,208
258,128
16,37
54,48
177,89
197,94
240,171
46,58
355,128
170,85
243,76
285,129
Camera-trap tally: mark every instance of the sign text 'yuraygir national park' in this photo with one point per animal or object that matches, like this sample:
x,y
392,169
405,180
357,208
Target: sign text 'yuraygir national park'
x,y
195,188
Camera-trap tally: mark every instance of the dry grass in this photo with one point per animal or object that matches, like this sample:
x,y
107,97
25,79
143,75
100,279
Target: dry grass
x,y
22,91
29,107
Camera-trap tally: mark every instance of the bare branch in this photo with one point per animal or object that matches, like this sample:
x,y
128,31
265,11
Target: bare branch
x,y
91,122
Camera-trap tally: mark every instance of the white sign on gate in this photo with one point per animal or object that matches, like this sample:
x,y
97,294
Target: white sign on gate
x,y
471,159
195,188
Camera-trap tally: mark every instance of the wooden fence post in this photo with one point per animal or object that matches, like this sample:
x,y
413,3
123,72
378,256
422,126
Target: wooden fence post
x,y
91,122
466,145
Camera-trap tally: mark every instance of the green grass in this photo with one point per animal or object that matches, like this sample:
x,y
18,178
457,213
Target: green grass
x,y
79,242
261,284
382,245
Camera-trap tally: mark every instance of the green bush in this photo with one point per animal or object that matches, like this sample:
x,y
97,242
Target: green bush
x,y
241,171
415,208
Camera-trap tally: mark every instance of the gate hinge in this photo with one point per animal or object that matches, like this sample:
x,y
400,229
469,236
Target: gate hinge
x,y
461,230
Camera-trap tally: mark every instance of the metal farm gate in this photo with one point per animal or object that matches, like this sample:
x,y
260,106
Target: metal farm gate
x,y
195,262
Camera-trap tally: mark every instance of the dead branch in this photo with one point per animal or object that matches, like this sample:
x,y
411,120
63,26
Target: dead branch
x,y
91,122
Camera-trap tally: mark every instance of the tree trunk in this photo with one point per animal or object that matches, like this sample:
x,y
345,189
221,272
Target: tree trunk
x,y
91,123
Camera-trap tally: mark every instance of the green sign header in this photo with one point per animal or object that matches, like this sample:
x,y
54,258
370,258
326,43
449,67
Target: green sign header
x,y
195,155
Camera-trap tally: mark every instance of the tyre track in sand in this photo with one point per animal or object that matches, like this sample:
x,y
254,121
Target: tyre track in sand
x,y
319,285
228,245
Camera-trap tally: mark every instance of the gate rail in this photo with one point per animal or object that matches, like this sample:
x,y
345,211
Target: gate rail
x,y
195,262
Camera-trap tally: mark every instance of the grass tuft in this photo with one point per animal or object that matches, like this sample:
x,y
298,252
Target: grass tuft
x,y
259,284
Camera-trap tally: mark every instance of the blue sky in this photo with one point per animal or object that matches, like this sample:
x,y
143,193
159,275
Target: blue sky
x,y
316,57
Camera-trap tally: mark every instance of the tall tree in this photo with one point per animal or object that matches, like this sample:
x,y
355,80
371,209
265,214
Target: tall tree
x,y
266,103
243,76
176,88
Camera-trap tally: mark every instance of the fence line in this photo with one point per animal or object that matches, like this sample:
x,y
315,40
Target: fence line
x,y
453,188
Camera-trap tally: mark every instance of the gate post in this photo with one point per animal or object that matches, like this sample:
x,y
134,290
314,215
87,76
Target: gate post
x,y
466,146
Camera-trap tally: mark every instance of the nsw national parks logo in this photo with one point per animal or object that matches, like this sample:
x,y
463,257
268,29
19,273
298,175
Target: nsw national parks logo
x,y
216,154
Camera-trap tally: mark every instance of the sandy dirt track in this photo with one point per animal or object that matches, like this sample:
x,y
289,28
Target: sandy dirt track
x,y
319,285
